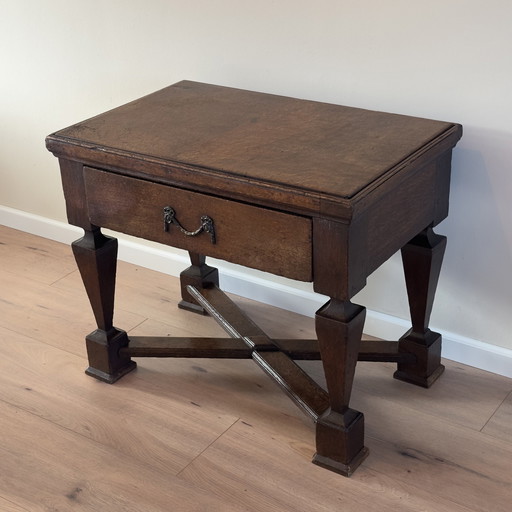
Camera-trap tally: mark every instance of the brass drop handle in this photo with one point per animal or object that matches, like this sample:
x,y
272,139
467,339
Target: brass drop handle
x,y
206,224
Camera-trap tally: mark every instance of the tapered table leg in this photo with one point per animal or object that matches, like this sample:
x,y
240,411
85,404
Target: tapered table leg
x,y
422,258
96,257
340,430
199,275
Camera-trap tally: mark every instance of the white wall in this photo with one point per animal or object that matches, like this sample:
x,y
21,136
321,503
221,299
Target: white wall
x,y
64,60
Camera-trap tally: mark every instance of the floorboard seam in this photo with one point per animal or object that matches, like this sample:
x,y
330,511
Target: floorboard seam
x,y
495,411
178,474
27,335
62,277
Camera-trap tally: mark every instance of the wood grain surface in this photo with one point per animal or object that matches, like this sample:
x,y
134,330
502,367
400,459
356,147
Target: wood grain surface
x,y
223,128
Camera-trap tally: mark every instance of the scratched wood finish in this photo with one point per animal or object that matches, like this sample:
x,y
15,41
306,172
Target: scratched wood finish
x,y
63,446
348,147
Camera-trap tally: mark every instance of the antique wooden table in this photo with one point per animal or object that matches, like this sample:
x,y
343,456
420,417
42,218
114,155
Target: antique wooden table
x,y
307,190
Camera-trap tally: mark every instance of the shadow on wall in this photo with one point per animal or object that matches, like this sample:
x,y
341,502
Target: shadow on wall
x,y
474,296
476,280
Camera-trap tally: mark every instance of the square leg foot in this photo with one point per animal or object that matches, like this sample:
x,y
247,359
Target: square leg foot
x,y
110,378
199,275
426,347
340,467
340,441
105,362
190,306
419,380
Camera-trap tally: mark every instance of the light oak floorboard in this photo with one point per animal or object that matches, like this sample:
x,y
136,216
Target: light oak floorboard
x,y
44,467
198,434
33,256
453,396
156,426
500,425
273,473
8,506
56,317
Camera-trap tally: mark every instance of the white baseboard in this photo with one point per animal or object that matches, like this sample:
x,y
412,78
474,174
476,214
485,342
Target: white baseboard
x,y
455,347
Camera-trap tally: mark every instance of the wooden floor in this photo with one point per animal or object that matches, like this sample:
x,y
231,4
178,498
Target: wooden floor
x,y
215,435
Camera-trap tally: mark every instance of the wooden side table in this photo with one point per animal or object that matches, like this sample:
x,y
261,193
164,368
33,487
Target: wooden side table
x,y
307,190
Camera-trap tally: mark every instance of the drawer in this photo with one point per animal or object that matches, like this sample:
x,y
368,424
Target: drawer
x,y
252,236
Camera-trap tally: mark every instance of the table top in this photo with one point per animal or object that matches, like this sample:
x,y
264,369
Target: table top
x,y
299,146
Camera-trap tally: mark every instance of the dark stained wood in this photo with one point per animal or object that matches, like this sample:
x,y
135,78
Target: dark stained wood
x,y
299,386
165,346
198,275
74,193
257,237
96,255
374,350
399,212
294,381
338,258
422,258
306,190
299,349
231,318
380,350
242,138
234,348
340,430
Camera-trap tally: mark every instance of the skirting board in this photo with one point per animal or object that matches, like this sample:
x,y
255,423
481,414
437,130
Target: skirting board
x,y
455,347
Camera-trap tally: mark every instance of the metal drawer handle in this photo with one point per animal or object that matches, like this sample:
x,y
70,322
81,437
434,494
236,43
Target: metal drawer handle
x,y
206,224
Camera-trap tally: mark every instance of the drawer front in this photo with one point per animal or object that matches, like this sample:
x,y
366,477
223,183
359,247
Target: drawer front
x,y
252,236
